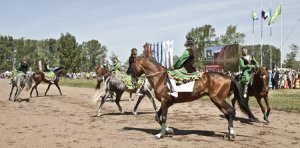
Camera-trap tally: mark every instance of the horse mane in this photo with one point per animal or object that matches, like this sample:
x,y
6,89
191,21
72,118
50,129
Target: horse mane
x,y
151,60
261,70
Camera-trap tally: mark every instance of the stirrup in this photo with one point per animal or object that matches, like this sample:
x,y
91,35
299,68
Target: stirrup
x,y
174,94
52,82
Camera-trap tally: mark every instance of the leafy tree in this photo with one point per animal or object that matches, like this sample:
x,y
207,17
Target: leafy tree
x,y
68,52
291,57
232,36
204,36
94,52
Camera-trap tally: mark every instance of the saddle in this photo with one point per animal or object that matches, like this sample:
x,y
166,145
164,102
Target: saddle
x,y
182,77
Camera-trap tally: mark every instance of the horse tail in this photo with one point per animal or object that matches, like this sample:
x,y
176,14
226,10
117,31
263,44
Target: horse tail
x,y
244,106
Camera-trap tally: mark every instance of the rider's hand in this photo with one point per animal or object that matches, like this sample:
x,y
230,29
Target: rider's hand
x,y
251,66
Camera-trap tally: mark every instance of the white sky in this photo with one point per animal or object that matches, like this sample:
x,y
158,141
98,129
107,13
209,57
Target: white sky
x,y
123,24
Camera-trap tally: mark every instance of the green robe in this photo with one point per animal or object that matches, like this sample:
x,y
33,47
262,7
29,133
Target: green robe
x,y
116,67
246,70
182,59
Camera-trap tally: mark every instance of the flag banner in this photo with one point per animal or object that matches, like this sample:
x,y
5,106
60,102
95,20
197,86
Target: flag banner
x,y
264,15
254,15
276,13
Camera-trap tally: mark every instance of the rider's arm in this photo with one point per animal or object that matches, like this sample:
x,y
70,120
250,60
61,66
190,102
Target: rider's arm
x,y
242,64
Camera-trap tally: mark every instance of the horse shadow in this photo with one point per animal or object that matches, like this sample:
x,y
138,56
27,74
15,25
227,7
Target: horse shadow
x,y
241,119
180,132
124,113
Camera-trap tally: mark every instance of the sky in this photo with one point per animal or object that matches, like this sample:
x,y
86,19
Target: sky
x,y
121,25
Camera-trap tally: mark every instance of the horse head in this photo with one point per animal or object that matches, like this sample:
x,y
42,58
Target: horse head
x,y
261,78
60,71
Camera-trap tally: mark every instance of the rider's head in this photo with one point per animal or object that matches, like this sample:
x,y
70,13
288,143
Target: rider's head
x,y
190,42
24,62
134,51
244,51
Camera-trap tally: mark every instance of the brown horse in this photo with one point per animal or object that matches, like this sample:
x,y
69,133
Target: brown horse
x,y
39,76
102,75
259,89
217,86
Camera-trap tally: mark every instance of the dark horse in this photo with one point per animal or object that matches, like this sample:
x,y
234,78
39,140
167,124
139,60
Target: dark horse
x,y
217,86
259,89
20,81
39,76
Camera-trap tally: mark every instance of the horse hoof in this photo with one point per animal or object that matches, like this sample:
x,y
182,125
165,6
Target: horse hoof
x,y
98,115
134,113
158,136
170,131
229,137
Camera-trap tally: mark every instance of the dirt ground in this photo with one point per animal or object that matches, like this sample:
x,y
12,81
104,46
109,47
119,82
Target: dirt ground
x,y
68,121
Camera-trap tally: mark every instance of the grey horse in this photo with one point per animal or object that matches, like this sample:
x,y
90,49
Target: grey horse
x,y
20,81
114,85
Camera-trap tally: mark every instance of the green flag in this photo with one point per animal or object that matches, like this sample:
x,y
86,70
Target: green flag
x,y
275,15
254,15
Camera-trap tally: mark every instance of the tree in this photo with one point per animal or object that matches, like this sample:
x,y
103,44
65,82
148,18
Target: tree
x,y
291,57
204,36
94,52
68,52
232,36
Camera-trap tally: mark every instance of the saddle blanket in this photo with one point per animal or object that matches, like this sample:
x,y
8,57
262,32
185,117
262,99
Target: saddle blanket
x,y
187,87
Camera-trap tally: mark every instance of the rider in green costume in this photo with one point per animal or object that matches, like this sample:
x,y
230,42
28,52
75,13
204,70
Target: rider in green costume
x,y
49,71
116,65
186,60
247,64
23,67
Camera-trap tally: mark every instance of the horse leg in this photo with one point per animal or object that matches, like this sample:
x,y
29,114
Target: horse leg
x,y
268,108
12,89
56,84
262,107
130,96
233,102
149,95
102,102
118,98
48,88
137,104
163,111
229,113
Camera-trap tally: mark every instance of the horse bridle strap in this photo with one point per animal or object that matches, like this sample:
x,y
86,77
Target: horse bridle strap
x,y
156,73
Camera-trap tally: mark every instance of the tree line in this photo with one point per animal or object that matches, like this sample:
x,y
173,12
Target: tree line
x,y
65,51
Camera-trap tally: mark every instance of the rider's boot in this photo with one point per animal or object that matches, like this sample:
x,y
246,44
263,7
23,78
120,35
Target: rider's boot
x,y
172,90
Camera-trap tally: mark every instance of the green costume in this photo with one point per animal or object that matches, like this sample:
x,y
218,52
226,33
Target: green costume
x,y
49,74
116,67
244,63
182,59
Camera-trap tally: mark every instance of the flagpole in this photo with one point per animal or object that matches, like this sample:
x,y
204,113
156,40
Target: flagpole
x,y
261,36
281,34
271,50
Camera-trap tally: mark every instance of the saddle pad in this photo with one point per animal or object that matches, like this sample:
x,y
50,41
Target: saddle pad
x,y
49,75
181,76
127,80
187,87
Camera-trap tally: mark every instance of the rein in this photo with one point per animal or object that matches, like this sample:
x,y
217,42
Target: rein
x,y
155,74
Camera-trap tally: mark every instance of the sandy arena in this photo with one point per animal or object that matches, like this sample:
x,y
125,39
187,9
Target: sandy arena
x,y
68,121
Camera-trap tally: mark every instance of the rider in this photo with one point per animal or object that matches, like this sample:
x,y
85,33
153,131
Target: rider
x,y
116,65
23,67
247,64
48,70
105,64
186,60
130,61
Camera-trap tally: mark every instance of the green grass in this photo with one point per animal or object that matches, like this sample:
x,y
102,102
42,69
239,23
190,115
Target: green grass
x,y
281,99
78,83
